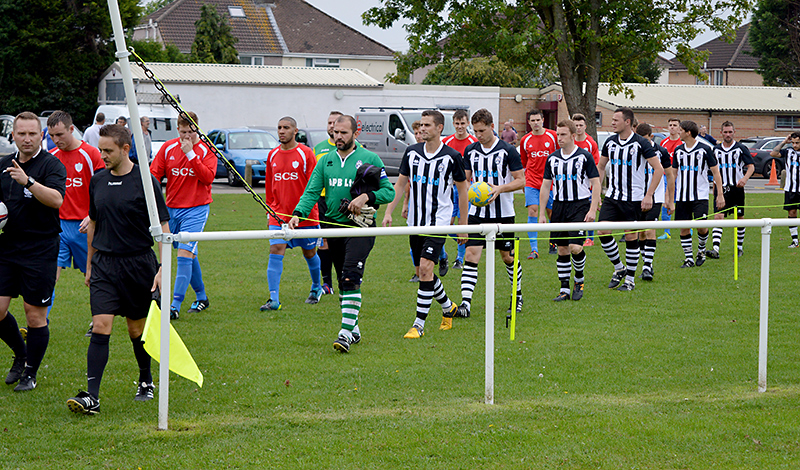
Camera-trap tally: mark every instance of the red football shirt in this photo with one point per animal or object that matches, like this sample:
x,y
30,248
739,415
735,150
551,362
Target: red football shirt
x,y
670,145
285,179
590,146
81,164
534,150
188,181
459,144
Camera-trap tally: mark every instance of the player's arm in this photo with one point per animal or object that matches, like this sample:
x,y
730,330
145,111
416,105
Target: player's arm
x,y
158,167
463,207
590,216
205,166
658,175
268,182
399,191
310,196
720,199
669,197
514,185
50,197
776,151
90,250
748,165
157,278
544,196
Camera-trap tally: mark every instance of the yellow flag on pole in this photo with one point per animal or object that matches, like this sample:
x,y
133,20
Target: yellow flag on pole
x,y
180,361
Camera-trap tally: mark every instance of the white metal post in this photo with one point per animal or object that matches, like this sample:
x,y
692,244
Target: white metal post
x,y
163,365
763,323
490,254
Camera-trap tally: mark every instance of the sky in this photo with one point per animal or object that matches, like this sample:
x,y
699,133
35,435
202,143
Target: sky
x,y
394,38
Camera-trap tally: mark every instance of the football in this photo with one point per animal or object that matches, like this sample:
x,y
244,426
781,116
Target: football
x,y
3,215
479,193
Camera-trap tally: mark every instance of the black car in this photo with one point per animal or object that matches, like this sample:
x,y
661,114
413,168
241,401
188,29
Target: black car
x,y
760,148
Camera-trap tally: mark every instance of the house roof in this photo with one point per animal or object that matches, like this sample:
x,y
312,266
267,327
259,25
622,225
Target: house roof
x,y
657,97
264,75
255,32
726,55
307,30
276,28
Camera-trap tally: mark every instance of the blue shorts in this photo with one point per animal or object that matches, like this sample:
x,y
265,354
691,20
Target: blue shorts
x,y
189,219
532,198
304,243
456,209
73,246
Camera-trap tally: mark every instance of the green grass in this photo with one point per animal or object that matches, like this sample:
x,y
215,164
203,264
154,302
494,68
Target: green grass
x,y
660,378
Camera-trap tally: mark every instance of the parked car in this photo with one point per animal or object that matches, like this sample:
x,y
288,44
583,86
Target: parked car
x,y
242,147
760,148
6,126
312,137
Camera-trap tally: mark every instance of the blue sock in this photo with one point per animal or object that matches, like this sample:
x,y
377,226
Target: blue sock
x,y
52,301
665,216
443,254
274,271
197,280
591,235
411,254
462,250
182,276
533,235
313,269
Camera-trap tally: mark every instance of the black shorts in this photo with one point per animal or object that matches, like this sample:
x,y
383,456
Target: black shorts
x,y
791,201
614,210
505,241
734,197
691,210
120,285
349,256
425,247
653,214
28,268
574,211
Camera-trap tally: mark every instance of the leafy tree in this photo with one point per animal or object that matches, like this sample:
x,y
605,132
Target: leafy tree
x,y
775,38
154,5
488,71
53,53
213,42
588,38
153,51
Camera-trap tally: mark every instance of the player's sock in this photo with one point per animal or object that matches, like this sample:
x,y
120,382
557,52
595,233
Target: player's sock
x,y
641,245
631,259
440,295
564,270
351,306
649,252
578,263
142,359
274,271
325,266
716,238
510,272
701,242
182,276
38,338
612,251
424,300
96,360
532,235
469,279
740,237
9,333
442,253
49,307
793,233
591,235
686,244
462,250
313,269
196,280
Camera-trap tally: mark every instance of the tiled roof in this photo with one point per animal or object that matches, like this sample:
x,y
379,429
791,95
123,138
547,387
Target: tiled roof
x,y
725,55
255,33
307,30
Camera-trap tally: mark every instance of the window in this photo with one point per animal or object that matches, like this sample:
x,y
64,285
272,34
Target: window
x,y
715,77
236,12
251,60
395,124
787,122
329,63
598,118
115,91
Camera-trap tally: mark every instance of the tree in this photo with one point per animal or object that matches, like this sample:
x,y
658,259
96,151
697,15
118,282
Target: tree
x,y
775,38
153,51
154,5
53,54
213,42
481,71
588,38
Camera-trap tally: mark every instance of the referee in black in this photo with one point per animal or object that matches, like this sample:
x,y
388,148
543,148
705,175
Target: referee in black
x,y
122,270
32,186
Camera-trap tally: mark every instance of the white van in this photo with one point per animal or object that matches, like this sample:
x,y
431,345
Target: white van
x,y
387,132
163,120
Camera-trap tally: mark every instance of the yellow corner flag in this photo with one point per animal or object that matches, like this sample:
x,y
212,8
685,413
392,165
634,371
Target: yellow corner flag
x,y
180,361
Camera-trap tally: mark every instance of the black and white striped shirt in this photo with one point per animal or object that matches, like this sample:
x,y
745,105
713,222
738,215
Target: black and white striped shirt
x,y
792,157
431,177
663,154
692,165
627,159
494,166
732,161
570,174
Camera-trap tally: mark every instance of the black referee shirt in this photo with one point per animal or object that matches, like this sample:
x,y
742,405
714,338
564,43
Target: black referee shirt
x,y
28,218
118,207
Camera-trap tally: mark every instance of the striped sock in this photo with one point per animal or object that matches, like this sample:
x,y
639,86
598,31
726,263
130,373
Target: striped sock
x,y
351,306
701,241
564,270
740,237
469,279
612,251
440,295
631,259
793,233
686,244
578,263
716,238
649,252
510,272
424,300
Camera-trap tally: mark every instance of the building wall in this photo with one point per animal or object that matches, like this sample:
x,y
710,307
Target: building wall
x,y
747,125
377,69
733,77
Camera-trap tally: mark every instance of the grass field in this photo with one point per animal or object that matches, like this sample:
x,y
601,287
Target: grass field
x,y
660,378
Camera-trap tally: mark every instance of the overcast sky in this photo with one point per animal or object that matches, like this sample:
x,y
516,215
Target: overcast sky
x,y
393,38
